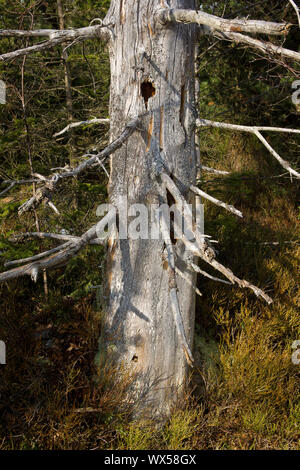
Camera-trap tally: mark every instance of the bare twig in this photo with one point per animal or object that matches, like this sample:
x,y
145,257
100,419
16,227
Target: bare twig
x,y
187,280
51,236
213,170
234,279
296,8
13,183
79,124
236,127
256,130
53,207
212,199
290,242
37,257
208,256
205,274
266,48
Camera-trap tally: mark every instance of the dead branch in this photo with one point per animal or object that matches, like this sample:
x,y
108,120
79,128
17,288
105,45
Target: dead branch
x,y
205,274
213,170
288,242
180,326
173,290
56,37
52,236
212,199
100,158
266,48
183,276
237,127
13,183
201,249
66,252
207,255
234,279
222,24
256,130
37,257
296,8
53,207
17,33
73,125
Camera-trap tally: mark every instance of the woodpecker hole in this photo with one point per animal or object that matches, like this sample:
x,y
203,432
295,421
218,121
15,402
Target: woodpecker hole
x,y
147,91
135,358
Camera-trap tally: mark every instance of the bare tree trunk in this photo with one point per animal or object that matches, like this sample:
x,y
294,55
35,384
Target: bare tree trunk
x,y
68,84
152,71
68,81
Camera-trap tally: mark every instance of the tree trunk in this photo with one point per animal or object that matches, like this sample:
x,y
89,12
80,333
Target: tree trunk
x,y
68,87
152,73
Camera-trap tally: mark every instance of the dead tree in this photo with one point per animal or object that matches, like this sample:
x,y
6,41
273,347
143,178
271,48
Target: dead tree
x,y
149,323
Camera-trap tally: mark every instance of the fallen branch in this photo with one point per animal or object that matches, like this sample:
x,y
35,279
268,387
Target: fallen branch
x,y
53,207
37,257
73,125
256,130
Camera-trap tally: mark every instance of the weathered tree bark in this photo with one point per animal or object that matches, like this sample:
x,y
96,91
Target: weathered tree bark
x,y
152,71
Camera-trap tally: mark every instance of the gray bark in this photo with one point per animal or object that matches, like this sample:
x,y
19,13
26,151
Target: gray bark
x,y
152,72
